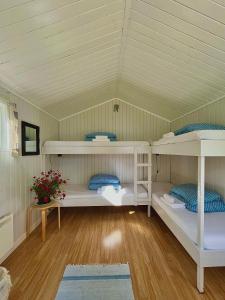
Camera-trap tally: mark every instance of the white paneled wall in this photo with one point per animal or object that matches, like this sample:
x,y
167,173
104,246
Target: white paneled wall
x,y
16,173
130,123
215,167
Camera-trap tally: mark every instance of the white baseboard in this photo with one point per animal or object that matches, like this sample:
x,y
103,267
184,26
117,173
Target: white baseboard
x,y
19,241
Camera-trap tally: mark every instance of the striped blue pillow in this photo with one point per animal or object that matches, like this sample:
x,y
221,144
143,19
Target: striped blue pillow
x,y
198,126
189,195
210,207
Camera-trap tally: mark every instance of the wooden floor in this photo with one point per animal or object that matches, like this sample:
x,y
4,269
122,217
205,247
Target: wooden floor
x,y
160,267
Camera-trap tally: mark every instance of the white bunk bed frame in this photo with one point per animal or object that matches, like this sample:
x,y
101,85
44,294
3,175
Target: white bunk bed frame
x,y
201,149
121,147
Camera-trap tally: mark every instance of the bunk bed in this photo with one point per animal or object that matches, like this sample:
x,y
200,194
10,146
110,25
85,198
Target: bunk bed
x,y
202,236
136,193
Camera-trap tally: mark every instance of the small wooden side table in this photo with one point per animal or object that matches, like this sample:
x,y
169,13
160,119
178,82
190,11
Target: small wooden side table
x,y
43,209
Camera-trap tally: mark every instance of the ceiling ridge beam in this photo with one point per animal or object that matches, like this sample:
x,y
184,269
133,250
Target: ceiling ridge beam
x,y
126,19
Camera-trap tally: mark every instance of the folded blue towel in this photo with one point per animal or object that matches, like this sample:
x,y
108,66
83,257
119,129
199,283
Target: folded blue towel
x,y
92,135
104,178
89,139
96,186
198,126
189,195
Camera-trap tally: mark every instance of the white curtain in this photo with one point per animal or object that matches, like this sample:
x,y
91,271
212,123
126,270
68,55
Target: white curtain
x,y
4,126
13,129
9,127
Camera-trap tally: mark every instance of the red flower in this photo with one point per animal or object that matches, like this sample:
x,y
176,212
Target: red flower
x,y
48,185
45,199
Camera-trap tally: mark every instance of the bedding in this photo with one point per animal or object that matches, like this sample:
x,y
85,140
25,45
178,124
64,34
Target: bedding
x,y
104,178
80,195
189,195
176,203
96,186
99,180
90,136
192,136
93,139
198,126
214,237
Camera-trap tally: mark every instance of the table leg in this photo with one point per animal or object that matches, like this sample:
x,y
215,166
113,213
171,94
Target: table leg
x,y
46,217
29,219
43,221
59,217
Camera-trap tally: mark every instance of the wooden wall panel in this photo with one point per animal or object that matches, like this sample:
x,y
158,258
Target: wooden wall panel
x,y
130,123
16,173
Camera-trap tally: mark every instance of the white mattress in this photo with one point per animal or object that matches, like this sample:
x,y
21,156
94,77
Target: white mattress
x,y
79,195
193,136
214,238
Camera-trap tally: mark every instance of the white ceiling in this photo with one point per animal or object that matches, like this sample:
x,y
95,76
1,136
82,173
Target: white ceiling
x,y
167,56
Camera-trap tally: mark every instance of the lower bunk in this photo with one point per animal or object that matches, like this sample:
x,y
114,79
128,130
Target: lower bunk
x,y
184,225
80,195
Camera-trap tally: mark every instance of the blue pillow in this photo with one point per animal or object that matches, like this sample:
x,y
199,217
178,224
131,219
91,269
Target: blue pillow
x,y
96,186
189,195
198,126
93,134
104,178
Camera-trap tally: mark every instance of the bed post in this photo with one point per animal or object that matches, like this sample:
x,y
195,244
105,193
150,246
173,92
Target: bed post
x,y
201,197
149,182
135,174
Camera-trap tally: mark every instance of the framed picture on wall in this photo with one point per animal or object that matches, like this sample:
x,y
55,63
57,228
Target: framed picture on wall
x,y
30,139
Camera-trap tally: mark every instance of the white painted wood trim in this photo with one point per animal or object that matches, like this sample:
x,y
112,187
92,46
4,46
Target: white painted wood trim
x,y
70,147
144,110
20,240
109,100
201,197
188,244
211,148
198,108
135,173
11,90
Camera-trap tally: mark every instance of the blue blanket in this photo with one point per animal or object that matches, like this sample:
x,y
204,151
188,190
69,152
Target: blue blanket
x,y
189,195
198,126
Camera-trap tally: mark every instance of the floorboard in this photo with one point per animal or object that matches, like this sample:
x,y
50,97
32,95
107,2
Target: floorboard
x,y
160,267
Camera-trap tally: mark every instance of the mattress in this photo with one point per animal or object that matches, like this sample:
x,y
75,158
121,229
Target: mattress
x,y
192,136
79,195
214,236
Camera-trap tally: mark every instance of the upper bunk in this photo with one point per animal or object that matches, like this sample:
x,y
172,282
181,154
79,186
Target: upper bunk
x,y
83,147
195,143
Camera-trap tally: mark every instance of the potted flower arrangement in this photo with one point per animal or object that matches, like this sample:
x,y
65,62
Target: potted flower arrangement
x,y
48,186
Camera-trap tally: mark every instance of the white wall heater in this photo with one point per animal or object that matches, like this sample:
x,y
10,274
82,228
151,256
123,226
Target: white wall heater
x,y
6,234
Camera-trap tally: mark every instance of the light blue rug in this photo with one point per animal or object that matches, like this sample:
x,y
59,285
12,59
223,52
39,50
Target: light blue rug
x,y
96,282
